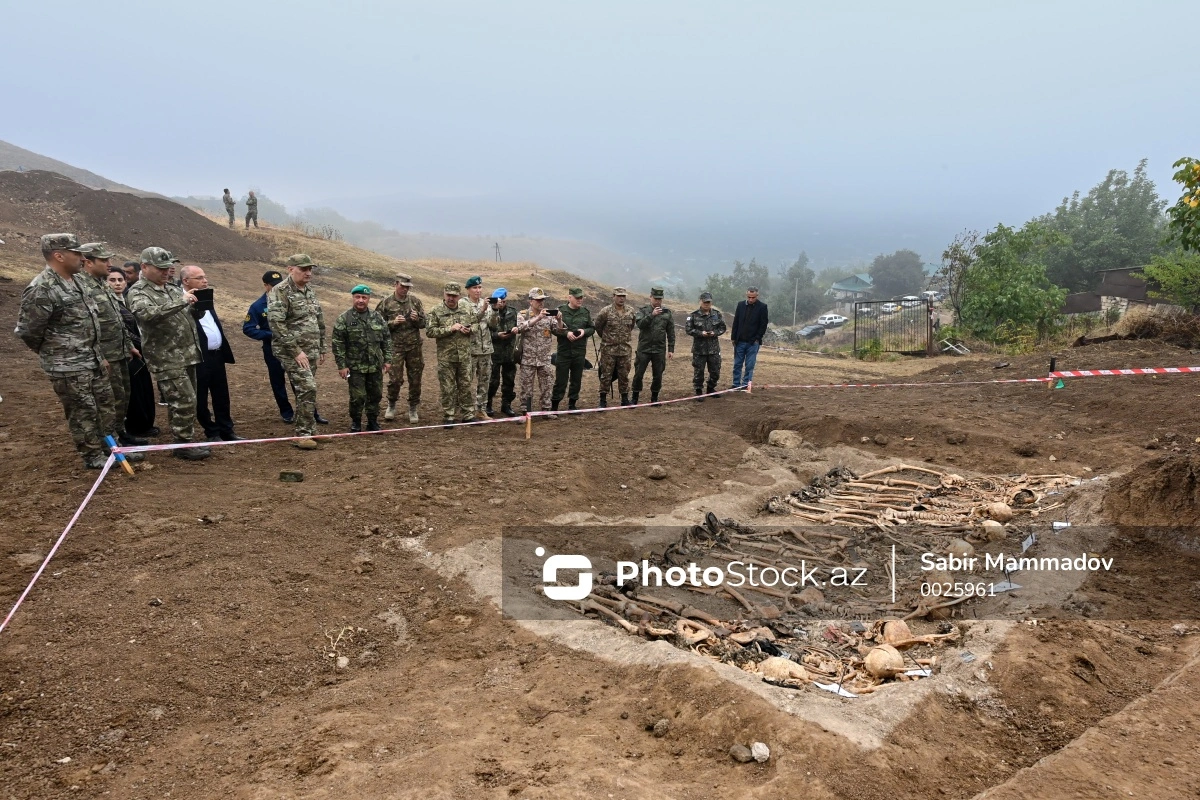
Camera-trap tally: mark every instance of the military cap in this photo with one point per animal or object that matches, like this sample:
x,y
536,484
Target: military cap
x,y
452,288
500,293
62,241
157,257
705,296
300,260
404,280
620,292
97,250
536,294
656,291
474,280
361,288
272,277
575,291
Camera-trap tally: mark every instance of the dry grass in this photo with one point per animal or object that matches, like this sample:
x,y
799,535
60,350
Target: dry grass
x,y
1172,327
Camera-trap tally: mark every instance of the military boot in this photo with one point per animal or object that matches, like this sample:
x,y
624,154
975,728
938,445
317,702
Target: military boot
x,y
699,396
571,405
390,414
625,400
554,405
635,399
481,413
603,401
489,411
355,425
654,398
412,414
373,424
507,410
127,440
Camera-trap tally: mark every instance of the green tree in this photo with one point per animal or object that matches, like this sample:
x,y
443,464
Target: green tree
x,y
1119,223
1176,277
798,291
898,273
1185,214
752,274
725,293
1006,293
957,259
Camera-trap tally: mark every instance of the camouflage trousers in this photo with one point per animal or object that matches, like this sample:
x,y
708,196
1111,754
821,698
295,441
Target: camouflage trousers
x,y
86,399
231,217
406,359
304,387
614,366
481,377
251,215
366,390
713,362
118,378
544,373
454,380
178,390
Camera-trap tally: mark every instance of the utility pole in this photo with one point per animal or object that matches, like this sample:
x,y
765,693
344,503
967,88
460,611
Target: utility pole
x,y
795,302
497,246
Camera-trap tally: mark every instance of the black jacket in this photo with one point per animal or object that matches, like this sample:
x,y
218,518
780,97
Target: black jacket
x,y
749,322
226,350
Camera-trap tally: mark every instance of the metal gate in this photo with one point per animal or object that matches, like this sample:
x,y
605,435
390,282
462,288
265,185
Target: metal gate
x,y
892,326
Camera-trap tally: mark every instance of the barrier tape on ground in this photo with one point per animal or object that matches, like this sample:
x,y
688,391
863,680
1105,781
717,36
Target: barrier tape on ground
x,y
528,417
112,459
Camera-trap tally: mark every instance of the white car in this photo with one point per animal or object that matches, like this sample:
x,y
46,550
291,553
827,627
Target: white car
x,y
889,308
910,301
831,320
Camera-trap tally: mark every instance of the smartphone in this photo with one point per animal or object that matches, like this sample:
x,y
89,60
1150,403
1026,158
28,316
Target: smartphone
x,y
551,312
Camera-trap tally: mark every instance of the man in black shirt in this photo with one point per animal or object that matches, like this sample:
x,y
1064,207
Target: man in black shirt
x,y
749,327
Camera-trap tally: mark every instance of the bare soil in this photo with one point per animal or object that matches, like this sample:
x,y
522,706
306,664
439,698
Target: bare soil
x,y
179,644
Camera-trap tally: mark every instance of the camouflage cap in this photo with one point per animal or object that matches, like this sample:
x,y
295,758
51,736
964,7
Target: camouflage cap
x,y
272,277
361,288
157,257
620,292
536,294
452,288
474,280
62,241
404,280
97,250
706,296
656,291
575,291
300,260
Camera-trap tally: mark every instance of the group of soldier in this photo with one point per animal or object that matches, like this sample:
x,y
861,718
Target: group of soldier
x,y
74,320
251,209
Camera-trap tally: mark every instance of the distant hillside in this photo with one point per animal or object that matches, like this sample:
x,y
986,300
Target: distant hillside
x,y
19,159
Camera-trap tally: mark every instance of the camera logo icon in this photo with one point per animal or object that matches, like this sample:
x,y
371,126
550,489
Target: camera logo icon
x,y
550,575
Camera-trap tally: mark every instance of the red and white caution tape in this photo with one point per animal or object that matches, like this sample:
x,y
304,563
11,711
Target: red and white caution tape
x,y
1105,373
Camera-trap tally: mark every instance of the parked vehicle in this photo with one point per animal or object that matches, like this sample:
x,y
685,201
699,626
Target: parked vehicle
x,y
811,331
910,301
832,320
932,295
889,308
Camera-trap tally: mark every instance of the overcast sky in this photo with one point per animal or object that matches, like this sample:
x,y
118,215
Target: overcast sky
x,y
786,121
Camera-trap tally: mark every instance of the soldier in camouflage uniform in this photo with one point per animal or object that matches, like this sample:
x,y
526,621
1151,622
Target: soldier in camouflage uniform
x,y
705,325
536,329
251,210
571,358
504,344
451,324
481,344
229,204
170,344
614,324
298,341
362,348
59,321
405,317
116,345
656,343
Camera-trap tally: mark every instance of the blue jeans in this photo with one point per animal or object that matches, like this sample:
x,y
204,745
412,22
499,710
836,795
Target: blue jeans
x,y
744,355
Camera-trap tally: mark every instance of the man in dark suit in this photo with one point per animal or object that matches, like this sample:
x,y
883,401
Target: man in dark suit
x,y
210,374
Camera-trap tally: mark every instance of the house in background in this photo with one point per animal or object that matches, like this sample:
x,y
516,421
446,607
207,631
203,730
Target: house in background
x,y
846,291
1118,292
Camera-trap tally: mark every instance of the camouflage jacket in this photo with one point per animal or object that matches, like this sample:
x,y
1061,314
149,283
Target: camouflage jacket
x,y
615,327
170,341
536,338
252,204
503,350
481,331
698,323
296,320
405,333
655,334
574,319
59,322
114,339
361,342
452,346
229,202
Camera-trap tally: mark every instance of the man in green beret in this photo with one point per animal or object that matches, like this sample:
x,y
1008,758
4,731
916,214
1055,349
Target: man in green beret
x,y
571,357
362,348
298,341
656,343
451,323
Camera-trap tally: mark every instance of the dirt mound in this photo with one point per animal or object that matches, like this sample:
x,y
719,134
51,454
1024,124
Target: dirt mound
x,y
37,202
1165,491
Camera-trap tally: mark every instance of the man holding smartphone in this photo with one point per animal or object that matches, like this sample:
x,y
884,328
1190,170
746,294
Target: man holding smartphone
x,y
656,343
536,325
571,358
481,343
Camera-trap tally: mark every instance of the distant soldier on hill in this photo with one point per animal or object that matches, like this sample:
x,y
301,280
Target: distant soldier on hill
x,y
614,324
362,348
229,204
251,210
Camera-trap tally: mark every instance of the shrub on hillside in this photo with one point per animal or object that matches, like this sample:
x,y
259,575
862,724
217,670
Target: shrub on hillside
x,y
1175,327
